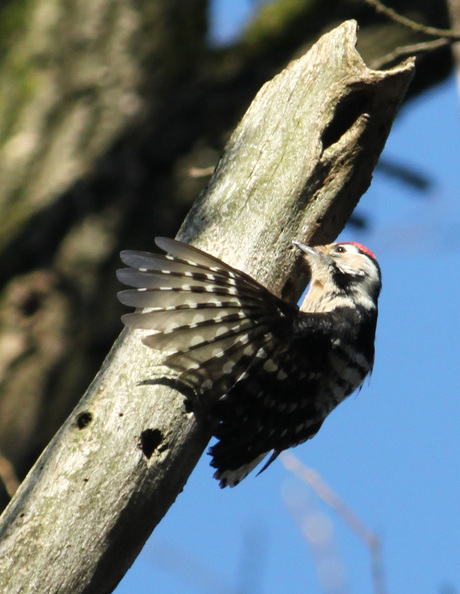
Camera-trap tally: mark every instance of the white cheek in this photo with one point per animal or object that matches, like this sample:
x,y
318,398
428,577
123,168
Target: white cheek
x,y
351,271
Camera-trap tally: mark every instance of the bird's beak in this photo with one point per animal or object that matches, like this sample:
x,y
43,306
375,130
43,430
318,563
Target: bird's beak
x,y
306,249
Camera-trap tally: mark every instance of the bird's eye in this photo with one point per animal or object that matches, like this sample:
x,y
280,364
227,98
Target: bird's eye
x,y
340,249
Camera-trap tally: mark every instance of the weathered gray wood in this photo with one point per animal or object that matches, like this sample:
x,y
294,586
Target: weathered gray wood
x,y
295,167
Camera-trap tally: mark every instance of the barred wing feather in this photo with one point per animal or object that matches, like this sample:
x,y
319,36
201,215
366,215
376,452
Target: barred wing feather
x,y
213,320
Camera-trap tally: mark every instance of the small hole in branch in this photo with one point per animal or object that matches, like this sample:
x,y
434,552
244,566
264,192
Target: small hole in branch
x,y
149,440
84,419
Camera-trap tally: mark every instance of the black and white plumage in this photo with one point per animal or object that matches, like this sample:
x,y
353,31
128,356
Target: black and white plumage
x,y
268,371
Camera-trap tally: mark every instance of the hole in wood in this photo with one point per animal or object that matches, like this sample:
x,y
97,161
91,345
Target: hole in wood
x,y
188,406
149,440
84,419
346,113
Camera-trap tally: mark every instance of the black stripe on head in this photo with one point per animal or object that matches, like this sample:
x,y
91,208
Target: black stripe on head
x,y
344,281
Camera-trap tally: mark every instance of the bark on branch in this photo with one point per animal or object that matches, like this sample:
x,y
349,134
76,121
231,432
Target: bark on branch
x,y
295,167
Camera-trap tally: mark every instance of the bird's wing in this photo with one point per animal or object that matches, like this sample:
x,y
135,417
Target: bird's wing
x,y
214,320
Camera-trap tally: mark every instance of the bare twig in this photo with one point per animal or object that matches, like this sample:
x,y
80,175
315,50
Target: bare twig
x,y
445,37
330,498
413,25
454,13
317,528
403,52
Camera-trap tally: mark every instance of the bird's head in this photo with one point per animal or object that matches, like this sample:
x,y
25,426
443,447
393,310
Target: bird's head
x,y
346,270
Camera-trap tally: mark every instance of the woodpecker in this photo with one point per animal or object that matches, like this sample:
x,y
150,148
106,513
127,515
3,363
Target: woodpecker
x,y
269,371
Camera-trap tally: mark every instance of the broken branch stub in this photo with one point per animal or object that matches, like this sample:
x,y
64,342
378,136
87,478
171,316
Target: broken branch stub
x,y
299,160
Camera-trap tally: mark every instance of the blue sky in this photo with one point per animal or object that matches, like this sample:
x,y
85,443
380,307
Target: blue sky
x,y
392,452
